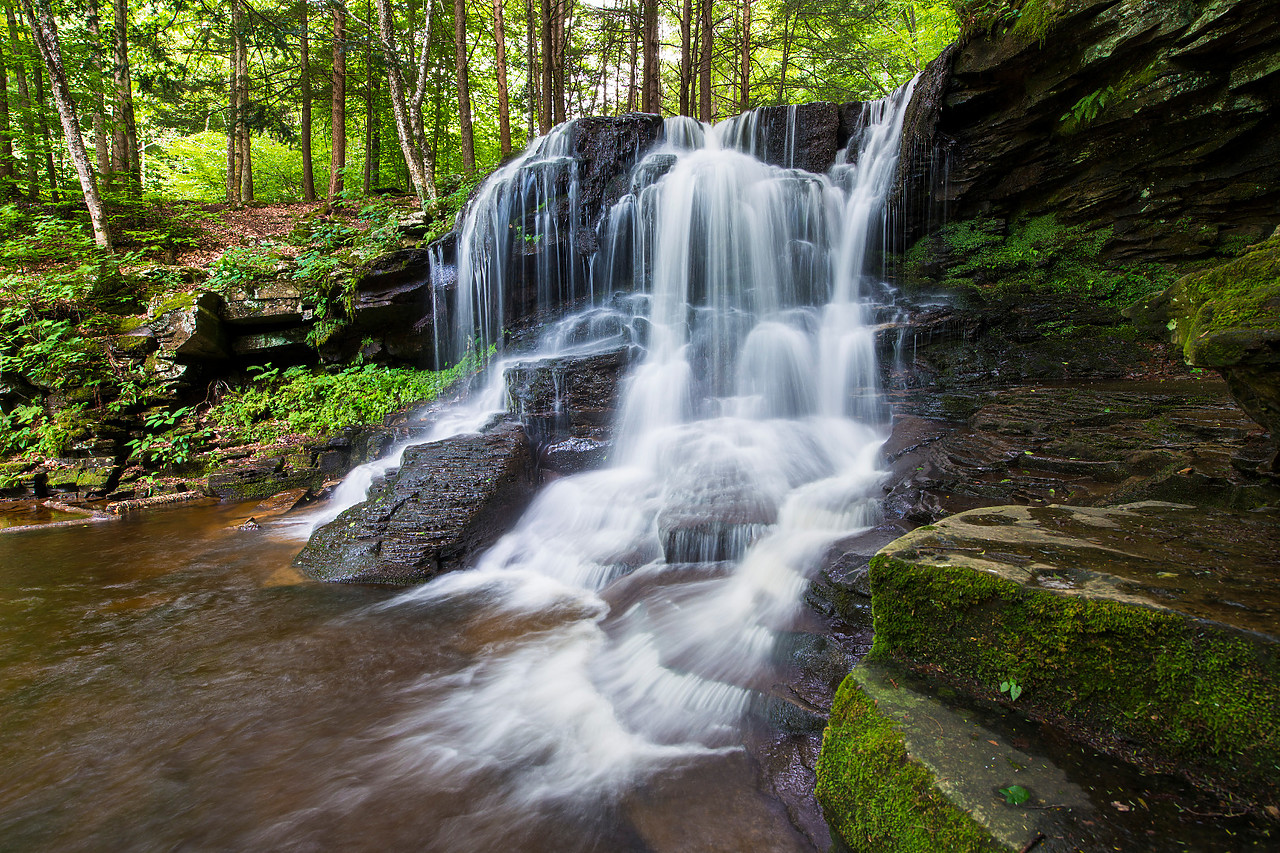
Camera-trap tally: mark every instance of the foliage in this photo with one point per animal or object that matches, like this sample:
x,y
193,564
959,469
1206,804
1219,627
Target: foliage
x,y
1013,688
1015,795
240,266
1035,255
303,400
168,442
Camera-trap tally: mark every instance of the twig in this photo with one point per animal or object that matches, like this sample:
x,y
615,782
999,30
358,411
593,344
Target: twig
x,y
1032,843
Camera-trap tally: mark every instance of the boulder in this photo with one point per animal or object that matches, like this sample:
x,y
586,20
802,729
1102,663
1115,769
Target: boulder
x,y
1147,630
448,501
190,327
262,478
267,303
1228,318
560,396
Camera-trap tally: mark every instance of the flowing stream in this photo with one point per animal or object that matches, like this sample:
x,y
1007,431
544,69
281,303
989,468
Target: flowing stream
x,y
591,682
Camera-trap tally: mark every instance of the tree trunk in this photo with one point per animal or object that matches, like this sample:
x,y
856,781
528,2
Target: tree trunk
x,y
246,151
787,30
686,56
370,106
704,62
745,73
500,55
6,134
45,33
633,26
464,92
651,94
548,74
558,54
127,161
304,79
20,57
408,130
101,147
46,137
530,69
338,158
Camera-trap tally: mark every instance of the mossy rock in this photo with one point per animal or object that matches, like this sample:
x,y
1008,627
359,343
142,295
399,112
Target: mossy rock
x,y
876,797
1227,317
1149,630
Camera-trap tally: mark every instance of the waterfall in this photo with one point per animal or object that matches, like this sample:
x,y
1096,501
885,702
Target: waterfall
x,y
634,610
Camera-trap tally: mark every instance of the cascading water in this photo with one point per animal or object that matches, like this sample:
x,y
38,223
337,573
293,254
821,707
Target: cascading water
x,y
629,621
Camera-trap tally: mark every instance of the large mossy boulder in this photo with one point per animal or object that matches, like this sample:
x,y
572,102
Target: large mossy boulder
x,y
1228,318
448,501
1148,630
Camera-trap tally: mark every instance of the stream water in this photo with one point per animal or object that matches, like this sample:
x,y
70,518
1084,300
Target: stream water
x,y
591,683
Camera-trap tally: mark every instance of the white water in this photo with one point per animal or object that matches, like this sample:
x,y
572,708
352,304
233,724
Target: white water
x,y
632,614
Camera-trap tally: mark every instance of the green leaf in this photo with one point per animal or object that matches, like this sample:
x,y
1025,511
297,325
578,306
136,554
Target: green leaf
x,y
1015,795
1015,690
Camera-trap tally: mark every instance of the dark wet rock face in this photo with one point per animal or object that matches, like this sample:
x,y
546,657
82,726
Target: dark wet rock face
x,y
1155,117
606,149
449,500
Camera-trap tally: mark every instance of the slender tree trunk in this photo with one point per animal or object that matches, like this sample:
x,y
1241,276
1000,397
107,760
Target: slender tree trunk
x,y
558,55
370,104
704,62
408,129
686,56
787,31
245,138
651,94
6,134
101,147
500,55
304,79
531,72
46,137
745,73
127,160
338,160
633,28
464,91
45,33
548,74
23,66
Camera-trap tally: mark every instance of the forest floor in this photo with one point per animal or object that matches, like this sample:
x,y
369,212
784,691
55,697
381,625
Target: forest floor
x,y
221,226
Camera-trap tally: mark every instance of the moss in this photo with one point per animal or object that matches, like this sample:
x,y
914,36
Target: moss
x,y
171,302
875,796
1030,255
1187,694
1220,313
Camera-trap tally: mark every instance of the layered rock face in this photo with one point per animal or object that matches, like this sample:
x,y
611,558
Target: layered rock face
x,y
1155,117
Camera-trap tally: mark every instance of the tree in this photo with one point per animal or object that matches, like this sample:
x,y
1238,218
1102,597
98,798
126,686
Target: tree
x,y
338,158
304,80
406,110
127,161
44,31
19,53
651,93
101,148
464,91
500,57
705,112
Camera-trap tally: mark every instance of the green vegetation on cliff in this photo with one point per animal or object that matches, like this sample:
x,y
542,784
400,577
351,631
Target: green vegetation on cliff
x,y
1033,255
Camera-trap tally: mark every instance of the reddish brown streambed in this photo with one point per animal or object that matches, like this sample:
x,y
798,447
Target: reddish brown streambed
x,y
168,683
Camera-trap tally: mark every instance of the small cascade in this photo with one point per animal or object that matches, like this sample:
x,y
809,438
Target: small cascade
x,y
635,610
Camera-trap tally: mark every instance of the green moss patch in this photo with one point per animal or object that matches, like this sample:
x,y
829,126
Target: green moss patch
x,y
1223,313
1002,594
875,796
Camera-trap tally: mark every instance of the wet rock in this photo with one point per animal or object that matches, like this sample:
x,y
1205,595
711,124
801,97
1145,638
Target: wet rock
x,y
606,149
805,136
262,478
449,500
1228,318
1176,98
564,396
574,455
1149,630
